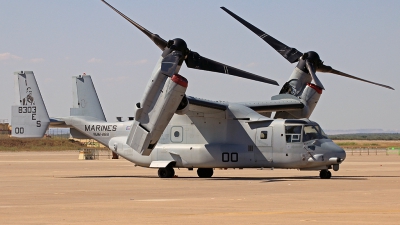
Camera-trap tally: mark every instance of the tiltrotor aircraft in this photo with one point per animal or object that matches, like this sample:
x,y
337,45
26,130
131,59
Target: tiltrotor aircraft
x,y
171,130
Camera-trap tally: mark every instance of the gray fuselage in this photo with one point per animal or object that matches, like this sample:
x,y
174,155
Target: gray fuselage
x,y
235,138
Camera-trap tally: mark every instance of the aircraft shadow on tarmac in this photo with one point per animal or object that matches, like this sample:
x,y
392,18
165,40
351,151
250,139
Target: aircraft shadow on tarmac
x,y
262,179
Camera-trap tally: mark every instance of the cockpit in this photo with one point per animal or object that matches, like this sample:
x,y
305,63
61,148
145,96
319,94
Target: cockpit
x,y
303,131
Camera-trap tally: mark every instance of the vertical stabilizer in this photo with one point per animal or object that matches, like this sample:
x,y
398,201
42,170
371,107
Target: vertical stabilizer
x,y
29,116
85,101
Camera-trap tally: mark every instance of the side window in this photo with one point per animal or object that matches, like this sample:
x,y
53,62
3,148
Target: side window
x,y
293,133
263,134
176,134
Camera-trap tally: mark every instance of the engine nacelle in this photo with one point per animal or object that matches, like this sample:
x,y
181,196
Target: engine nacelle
x,y
160,102
309,97
183,107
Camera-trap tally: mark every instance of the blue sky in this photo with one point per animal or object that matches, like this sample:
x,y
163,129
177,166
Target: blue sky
x,y
59,39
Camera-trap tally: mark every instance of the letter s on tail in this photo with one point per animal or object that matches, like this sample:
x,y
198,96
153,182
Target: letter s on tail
x,y
29,117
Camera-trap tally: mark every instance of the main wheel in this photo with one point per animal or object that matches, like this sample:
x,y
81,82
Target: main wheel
x,y
172,171
166,172
325,174
205,172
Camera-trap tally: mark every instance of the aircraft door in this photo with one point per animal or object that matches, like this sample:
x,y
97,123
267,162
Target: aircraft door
x,y
263,152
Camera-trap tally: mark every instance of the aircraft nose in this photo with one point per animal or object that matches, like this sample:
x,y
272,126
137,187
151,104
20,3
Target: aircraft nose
x,y
340,153
335,151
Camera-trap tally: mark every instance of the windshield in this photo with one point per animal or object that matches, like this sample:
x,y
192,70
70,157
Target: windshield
x,y
311,132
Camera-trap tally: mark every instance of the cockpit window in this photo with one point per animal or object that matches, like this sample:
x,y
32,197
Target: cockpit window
x,y
312,132
293,133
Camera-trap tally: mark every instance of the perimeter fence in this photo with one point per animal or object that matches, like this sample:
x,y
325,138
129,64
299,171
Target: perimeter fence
x,y
373,151
58,133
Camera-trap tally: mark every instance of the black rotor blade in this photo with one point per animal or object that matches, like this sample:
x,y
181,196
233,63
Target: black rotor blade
x,y
311,70
291,54
328,69
196,61
161,43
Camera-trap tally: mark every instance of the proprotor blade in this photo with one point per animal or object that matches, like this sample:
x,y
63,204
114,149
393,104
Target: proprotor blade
x,y
291,54
196,61
161,43
311,70
328,69
193,60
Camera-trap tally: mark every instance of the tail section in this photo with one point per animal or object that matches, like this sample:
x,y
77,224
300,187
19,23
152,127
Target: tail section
x,y
29,117
85,101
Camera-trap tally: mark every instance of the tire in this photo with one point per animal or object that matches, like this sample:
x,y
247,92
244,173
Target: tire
x,y
205,172
172,171
162,173
325,174
167,172
328,175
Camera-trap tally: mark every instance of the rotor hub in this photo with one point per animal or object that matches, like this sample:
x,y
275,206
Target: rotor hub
x,y
312,57
178,45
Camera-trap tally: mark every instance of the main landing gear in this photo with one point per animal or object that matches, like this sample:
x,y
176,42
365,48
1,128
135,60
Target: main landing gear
x,y
167,172
325,174
205,172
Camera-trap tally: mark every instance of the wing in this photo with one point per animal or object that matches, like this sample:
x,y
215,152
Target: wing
x,y
198,105
282,102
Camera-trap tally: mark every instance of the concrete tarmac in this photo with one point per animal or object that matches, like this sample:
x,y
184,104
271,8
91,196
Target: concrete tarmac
x,y
57,188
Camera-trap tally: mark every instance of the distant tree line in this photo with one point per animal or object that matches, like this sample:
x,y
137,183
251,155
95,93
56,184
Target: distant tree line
x,y
377,136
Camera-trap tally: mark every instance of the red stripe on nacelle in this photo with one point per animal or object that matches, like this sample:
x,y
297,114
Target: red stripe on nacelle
x,y
179,80
315,87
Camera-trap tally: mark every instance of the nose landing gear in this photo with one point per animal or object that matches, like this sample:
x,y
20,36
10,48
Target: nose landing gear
x,y
205,172
325,174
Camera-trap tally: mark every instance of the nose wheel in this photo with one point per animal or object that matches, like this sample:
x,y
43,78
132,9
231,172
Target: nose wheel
x,y
205,172
325,174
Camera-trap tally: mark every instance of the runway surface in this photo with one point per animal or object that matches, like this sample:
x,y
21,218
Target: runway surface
x,y
57,188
